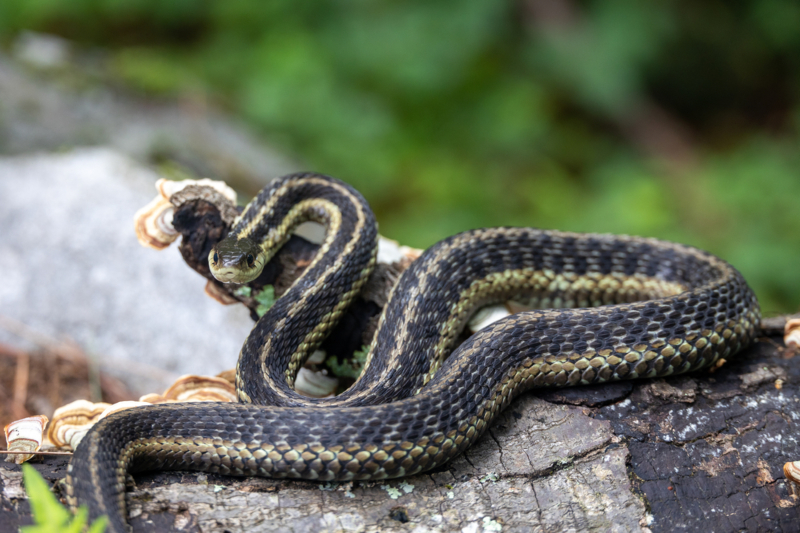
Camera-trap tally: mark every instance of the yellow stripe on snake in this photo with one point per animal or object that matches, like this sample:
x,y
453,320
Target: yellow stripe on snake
x,y
606,308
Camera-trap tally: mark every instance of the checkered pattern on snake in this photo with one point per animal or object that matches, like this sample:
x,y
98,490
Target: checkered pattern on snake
x,y
605,308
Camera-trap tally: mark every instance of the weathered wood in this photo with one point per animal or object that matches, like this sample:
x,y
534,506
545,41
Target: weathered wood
x,y
697,452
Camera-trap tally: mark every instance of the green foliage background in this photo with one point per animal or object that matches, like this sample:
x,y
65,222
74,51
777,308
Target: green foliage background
x,y
452,114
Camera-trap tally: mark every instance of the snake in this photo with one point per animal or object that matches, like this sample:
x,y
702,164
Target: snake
x,y
602,308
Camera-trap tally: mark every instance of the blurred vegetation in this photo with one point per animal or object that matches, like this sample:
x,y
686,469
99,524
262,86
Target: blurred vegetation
x,y
49,515
674,119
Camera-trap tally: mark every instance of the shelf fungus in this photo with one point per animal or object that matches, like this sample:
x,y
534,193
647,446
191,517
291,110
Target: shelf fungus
x,y
487,315
492,313
791,336
792,473
314,383
191,388
72,421
216,292
391,252
25,435
153,222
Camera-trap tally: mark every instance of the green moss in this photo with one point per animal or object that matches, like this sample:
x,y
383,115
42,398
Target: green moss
x,y
265,299
351,368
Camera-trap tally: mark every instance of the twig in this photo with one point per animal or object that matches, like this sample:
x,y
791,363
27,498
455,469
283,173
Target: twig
x,y
21,375
95,390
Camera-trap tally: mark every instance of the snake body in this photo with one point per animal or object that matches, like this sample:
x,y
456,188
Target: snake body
x,y
605,308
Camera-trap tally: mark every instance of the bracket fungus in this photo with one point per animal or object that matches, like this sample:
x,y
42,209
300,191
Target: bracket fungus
x,y
72,421
153,222
792,473
314,383
24,435
791,337
192,388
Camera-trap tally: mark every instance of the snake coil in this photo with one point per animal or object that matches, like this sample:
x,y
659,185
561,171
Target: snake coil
x,y
605,308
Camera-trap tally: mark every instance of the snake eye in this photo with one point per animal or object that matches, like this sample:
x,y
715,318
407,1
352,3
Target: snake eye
x,y
216,257
251,260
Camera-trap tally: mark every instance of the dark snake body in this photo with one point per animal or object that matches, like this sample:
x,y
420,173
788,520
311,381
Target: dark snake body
x,y
611,308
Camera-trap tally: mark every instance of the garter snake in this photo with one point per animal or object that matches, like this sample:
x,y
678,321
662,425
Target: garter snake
x,y
605,308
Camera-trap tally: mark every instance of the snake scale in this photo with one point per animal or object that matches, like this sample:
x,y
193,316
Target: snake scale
x,y
605,308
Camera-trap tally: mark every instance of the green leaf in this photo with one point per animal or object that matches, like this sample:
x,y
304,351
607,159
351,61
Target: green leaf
x,y
49,515
243,292
350,368
265,299
44,505
99,525
79,522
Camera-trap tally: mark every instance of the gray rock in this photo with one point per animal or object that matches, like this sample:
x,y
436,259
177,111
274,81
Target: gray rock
x,y
72,267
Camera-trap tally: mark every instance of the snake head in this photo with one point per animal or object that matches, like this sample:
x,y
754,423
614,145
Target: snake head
x,y
236,260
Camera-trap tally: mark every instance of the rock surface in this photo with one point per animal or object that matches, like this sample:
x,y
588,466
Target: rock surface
x,y
72,267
